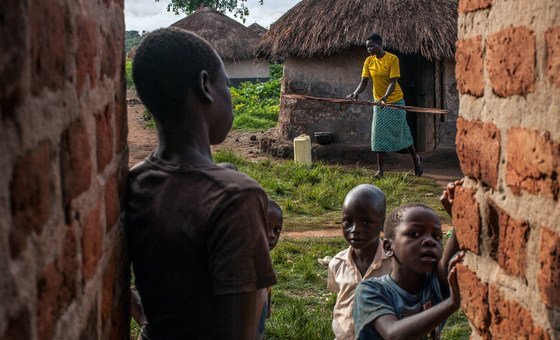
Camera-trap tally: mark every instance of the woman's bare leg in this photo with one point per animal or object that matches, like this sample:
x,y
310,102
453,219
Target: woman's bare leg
x,y
380,171
416,161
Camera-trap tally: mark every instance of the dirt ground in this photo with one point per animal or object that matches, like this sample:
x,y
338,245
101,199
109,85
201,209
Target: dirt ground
x,y
142,140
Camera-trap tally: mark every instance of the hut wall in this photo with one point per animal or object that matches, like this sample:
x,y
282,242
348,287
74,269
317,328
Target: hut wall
x,y
63,162
508,141
334,76
248,69
450,100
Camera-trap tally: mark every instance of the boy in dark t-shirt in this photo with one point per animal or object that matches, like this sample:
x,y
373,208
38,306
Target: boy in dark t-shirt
x,y
196,231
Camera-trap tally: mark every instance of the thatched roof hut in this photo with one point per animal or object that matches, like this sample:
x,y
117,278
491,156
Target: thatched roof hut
x,y
318,28
257,29
231,39
234,42
323,45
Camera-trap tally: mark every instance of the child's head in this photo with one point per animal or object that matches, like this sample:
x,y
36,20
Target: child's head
x,y
178,74
413,237
274,223
363,214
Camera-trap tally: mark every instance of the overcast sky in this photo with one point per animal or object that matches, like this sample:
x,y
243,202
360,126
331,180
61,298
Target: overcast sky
x,y
148,15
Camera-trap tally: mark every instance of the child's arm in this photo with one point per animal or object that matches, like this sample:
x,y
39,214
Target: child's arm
x,y
452,246
418,325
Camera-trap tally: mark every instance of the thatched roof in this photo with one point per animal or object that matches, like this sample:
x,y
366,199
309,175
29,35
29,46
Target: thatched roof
x,y
317,28
231,39
257,29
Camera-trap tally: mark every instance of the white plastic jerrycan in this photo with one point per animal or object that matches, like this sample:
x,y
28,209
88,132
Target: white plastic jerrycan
x,y
302,149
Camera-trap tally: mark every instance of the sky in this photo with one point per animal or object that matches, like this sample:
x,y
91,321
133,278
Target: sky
x,y
148,15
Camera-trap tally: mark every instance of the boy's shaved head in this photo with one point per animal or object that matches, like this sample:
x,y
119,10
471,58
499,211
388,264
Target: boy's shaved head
x,y
167,66
396,217
367,192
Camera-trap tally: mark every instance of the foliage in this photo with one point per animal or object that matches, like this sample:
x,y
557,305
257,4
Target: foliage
x,y
128,74
312,196
237,7
132,39
256,105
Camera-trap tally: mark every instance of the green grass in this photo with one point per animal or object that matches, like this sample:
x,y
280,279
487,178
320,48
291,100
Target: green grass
x,y
311,196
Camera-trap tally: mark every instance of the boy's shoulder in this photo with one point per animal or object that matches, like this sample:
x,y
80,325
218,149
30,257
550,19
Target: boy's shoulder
x,y
339,259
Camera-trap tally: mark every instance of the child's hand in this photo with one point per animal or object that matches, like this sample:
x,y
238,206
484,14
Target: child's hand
x,y
448,195
455,295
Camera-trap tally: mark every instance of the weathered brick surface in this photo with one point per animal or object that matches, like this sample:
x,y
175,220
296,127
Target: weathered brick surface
x,y
87,51
552,36
56,287
466,219
32,192
512,244
112,202
121,123
12,44
549,272
474,298
92,242
75,161
510,61
107,289
532,163
478,149
104,137
110,54
511,320
19,327
466,6
48,46
90,330
469,66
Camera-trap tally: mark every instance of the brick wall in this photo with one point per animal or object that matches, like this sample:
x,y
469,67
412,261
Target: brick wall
x,y
508,142
63,160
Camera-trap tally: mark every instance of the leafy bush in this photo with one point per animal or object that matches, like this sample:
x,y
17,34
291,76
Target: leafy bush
x,y
128,74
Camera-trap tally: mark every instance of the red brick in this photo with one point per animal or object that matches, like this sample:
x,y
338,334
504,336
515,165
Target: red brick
x,y
474,299
469,66
92,242
112,202
13,33
32,193
104,135
75,161
552,37
87,51
108,285
478,149
511,320
510,61
47,19
512,246
466,219
109,56
466,6
549,272
56,287
90,329
532,163
121,121
19,327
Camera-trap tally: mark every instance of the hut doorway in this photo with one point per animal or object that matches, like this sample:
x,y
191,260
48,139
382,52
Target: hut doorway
x,y
418,84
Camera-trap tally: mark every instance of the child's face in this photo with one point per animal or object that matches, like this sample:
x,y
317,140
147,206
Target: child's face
x,y
274,227
361,222
417,243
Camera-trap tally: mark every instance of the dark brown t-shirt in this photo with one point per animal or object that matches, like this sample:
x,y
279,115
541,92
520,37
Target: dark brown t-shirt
x,y
194,232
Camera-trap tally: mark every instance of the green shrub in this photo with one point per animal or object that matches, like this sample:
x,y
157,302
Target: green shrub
x,y
128,74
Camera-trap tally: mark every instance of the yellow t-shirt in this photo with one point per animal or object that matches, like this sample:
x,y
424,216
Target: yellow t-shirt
x,y
381,71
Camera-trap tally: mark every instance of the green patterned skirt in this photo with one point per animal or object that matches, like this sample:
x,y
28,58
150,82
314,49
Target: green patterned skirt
x,y
389,129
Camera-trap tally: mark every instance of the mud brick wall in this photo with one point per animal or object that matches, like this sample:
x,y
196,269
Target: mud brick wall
x,y
508,141
63,160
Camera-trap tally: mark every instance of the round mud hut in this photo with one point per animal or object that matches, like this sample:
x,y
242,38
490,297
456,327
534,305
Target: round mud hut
x,y
323,45
257,29
234,42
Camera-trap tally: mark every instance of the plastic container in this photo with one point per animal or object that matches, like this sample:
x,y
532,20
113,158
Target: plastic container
x,y
302,149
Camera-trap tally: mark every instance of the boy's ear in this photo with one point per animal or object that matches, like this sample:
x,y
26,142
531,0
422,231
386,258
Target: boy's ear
x,y
204,86
388,247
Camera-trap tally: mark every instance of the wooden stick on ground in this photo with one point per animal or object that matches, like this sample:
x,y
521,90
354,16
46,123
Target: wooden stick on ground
x,y
367,103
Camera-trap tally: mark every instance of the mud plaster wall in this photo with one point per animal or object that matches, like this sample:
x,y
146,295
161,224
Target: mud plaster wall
x,y
450,97
508,142
248,68
63,160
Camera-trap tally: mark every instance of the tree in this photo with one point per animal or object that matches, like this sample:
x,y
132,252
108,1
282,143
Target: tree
x,y
237,7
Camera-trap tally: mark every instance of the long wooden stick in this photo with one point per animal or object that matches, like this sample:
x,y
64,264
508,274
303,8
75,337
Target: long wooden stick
x,y
367,103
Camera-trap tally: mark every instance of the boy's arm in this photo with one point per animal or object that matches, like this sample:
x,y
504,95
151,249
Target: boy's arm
x,y
451,248
418,325
332,285
236,317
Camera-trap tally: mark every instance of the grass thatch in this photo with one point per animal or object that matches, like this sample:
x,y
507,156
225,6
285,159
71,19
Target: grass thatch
x,y
318,28
257,29
231,39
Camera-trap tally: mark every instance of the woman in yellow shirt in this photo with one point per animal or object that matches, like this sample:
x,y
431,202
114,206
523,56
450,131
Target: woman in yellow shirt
x,y
389,129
